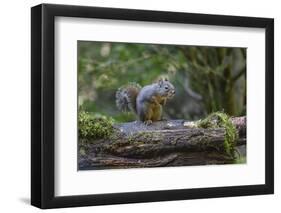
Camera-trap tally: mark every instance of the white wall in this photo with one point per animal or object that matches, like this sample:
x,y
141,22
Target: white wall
x,y
15,105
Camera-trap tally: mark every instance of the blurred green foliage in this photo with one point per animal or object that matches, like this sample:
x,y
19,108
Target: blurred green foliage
x,y
207,79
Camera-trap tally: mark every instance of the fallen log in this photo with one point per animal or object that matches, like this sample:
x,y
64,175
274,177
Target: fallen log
x,y
121,162
164,143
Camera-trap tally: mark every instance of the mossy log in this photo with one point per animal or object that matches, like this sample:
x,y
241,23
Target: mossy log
x,y
164,143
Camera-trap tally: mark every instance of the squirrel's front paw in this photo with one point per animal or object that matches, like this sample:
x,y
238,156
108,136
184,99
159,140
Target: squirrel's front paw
x,y
148,122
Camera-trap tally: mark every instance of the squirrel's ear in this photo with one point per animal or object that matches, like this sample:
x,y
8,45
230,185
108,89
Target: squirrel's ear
x,y
166,79
160,81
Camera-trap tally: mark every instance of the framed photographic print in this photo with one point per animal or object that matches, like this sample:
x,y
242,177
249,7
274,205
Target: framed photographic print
x,y
140,106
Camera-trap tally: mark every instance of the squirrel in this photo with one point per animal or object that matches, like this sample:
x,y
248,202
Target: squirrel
x,y
145,102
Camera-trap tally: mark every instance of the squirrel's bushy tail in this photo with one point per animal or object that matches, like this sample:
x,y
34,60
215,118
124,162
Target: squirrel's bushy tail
x,y
126,97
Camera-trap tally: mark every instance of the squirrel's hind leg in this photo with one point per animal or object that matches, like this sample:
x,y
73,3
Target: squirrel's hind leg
x,y
145,114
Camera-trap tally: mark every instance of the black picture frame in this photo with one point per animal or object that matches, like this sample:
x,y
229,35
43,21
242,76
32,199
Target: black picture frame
x,y
43,102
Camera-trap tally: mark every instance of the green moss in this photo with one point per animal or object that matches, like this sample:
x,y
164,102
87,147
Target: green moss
x,y
148,137
94,126
241,160
222,120
82,151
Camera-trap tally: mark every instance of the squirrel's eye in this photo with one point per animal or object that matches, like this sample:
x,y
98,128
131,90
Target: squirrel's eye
x,y
166,88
